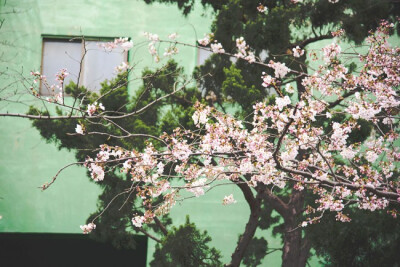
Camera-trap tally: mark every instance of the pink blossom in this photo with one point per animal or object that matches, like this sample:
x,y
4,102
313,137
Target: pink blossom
x,y
222,150
297,51
280,69
97,172
331,51
91,109
267,80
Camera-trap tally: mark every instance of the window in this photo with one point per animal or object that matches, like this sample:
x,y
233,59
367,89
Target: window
x,y
88,69
204,53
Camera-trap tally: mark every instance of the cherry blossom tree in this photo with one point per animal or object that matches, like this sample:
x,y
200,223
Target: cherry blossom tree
x,y
295,145
284,148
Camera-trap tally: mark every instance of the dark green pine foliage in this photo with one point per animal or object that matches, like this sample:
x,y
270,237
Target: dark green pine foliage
x,y
367,241
255,252
186,246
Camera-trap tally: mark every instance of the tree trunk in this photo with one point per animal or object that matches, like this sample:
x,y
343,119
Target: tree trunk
x,y
292,245
295,248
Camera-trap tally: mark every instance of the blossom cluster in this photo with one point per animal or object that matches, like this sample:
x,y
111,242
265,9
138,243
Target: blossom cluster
x,y
92,108
87,228
217,48
228,200
262,9
124,66
243,51
280,69
297,51
206,40
284,145
154,39
122,42
54,88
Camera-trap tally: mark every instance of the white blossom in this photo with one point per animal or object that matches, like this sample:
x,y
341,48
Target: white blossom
x,y
173,36
101,106
79,129
152,37
138,221
124,66
289,88
348,153
228,200
127,45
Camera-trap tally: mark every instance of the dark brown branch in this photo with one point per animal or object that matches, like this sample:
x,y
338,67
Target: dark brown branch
x,y
278,146
183,101
47,185
147,234
161,226
314,39
277,203
248,194
343,97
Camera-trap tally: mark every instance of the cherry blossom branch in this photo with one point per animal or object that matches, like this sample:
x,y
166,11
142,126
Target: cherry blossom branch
x,y
160,225
315,39
47,185
41,117
125,136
